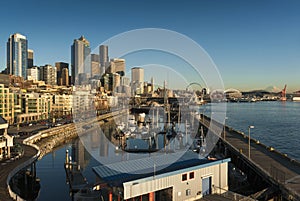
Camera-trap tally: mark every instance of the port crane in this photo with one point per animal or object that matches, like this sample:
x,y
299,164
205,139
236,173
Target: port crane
x,y
283,94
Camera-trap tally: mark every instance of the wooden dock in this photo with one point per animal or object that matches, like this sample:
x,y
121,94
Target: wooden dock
x,y
75,178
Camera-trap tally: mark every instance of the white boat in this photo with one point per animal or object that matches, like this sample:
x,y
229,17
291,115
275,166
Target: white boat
x,y
121,126
296,98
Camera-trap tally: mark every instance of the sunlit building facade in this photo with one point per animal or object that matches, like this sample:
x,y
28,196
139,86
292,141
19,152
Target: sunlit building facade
x,y
80,58
17,55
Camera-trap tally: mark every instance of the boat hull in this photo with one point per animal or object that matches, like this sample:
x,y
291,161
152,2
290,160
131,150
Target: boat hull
x,y
296,99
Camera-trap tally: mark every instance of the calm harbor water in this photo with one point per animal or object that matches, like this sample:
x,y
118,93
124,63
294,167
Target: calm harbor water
x,y
276,124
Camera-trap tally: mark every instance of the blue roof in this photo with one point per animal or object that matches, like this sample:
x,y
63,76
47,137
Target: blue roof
x,y
118,173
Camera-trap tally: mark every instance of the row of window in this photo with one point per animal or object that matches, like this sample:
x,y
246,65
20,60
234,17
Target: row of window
x,y
184,177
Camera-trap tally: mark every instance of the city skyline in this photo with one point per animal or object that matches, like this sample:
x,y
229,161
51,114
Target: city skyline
x,y
254,44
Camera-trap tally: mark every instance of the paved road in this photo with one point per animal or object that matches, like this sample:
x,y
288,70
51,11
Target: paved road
x,y
7,166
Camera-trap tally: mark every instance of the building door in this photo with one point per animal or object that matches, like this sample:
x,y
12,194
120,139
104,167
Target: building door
x,y
206,186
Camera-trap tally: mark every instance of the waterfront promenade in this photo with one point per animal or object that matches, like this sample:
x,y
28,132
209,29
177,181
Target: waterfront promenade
x,y
282,171
7,166
46,140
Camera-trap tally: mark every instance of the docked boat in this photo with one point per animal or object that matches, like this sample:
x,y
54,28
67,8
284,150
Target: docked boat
x,y
296,98
88,195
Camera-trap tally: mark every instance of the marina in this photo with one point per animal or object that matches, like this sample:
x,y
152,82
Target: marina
x,y
85,159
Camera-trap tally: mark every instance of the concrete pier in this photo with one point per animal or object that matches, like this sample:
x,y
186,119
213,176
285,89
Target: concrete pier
x,y
281,172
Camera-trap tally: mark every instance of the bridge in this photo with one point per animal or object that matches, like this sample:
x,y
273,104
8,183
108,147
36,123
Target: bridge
x,y
281,173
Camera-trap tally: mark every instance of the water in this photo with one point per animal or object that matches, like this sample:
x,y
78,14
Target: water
x,y
276,124
50,170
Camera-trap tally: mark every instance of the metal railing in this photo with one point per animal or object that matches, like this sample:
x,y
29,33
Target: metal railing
x,y
232,195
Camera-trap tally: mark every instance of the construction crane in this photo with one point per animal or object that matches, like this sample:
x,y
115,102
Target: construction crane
x,y
283,94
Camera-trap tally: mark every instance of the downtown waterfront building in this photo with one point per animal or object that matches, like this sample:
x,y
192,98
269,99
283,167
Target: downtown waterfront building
x,y
17,55
80,59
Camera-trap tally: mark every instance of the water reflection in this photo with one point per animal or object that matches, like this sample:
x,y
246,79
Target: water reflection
x,y
26,183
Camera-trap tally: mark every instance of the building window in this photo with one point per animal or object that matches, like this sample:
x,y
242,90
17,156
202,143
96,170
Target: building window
x,y
188,192
192,175
184,177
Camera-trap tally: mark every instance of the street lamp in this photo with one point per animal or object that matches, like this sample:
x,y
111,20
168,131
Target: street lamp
x,y
225,128
249,139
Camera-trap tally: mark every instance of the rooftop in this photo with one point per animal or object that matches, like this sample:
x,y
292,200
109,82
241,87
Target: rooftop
x,y
118,173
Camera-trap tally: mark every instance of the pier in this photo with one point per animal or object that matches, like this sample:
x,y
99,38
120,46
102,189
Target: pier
x,y
281,173
75,178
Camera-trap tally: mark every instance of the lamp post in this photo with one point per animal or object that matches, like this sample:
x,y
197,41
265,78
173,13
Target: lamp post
x,y
249,139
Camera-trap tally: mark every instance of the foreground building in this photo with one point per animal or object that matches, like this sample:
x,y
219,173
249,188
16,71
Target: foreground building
x,y
6,141
6,104
34,107
189,178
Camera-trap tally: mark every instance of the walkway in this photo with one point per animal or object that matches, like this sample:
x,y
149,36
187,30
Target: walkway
x,y
280,168
7,166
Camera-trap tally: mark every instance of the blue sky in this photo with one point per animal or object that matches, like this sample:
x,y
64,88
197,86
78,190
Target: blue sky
x,y
255,44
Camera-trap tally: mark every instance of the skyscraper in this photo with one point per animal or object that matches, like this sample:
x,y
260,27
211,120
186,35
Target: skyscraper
x,y
29,58
60,66
137,80
80,58
64,77
103,52
95,59
119,66
17,59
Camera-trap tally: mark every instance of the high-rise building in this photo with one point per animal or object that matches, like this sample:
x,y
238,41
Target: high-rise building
x,y
17,59
95,59
65,77
48,74
80,58
137,80
33,73
29,58
60,66
103,52
116,66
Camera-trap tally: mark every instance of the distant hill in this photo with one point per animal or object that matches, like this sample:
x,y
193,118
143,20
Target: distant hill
x,y
259,93
273,89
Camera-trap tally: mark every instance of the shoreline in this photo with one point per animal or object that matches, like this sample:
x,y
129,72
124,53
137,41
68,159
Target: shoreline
x,y
40,144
